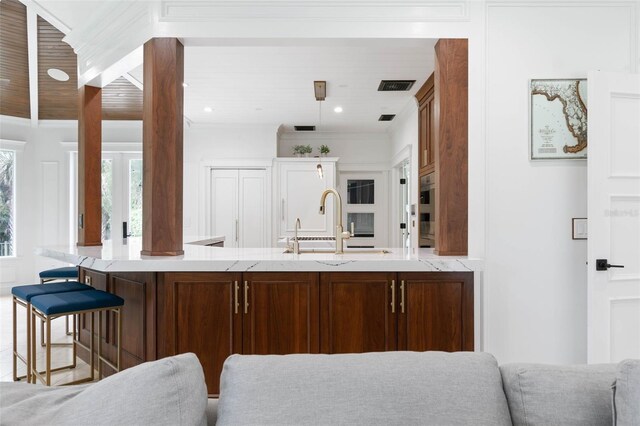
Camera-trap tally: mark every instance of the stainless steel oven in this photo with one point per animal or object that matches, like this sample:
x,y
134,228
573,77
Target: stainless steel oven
x,y
427,211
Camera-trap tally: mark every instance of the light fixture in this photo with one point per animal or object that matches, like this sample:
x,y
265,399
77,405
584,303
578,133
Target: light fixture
x,y
185,84
320,171
320,89
337,109
57,74
208,109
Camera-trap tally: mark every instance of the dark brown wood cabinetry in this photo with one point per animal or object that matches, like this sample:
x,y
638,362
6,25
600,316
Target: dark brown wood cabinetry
x,y
280,313
200,312
426,139
217,314
356,312
436,312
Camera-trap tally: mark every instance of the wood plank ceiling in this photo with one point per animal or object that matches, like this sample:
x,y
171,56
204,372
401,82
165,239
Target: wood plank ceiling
x,y
14,61
57,100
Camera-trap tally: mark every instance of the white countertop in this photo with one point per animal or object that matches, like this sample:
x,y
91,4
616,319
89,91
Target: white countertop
x,y
113,256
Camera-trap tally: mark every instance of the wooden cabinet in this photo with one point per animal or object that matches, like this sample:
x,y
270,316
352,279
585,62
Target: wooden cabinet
x,y
298,196
280,313
357,313
199,312
426,134
436,312
217,314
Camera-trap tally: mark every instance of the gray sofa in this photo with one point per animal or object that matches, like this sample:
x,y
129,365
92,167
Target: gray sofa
x,y
391,388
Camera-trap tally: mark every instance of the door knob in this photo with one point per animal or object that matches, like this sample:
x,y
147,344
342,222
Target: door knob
x,y
603,265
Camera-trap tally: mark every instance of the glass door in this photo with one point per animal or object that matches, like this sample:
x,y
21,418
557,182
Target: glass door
x,y
121,189
365,208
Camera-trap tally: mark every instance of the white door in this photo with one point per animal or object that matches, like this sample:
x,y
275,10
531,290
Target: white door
x,y
300,190
239,207
613,217
252,208
224,208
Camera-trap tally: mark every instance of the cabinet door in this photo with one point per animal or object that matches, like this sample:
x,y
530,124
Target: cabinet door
x,y
252,208
224,205
300,190
200,312
358,312
280,313
436,312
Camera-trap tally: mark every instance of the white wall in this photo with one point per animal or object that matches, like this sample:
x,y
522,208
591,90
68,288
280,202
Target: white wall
x,y
535,273
352,148
240,145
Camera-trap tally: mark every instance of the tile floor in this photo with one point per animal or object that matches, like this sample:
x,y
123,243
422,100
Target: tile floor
x,y
59,355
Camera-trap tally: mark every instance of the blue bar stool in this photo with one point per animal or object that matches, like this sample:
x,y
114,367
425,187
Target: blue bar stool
x,y
51,306
66,273
22,296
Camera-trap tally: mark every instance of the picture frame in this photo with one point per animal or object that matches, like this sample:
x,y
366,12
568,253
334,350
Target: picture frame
x,y
557,119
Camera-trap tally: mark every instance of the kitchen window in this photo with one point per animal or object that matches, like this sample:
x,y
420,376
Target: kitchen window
x,y
7,202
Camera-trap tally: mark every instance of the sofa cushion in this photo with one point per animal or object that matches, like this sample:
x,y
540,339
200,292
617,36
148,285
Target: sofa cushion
x,y
170,391
363,389
566,395
627,393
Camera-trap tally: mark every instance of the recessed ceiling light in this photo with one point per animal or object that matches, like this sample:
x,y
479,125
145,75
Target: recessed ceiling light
x,y
185,84
337,109
208,109
258,109
57,74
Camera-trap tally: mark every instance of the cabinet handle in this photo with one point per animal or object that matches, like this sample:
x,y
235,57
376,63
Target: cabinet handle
x,y
236,303
237,228
393,296
246,297
402,296
282,209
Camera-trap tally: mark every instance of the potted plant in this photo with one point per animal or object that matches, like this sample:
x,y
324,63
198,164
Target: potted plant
x,y
298,150
324,150
307,150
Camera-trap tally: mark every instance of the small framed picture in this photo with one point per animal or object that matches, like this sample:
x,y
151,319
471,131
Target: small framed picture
x,y
558,119
579,228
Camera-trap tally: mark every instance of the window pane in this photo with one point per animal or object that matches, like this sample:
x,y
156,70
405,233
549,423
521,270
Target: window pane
x,y
362,224
135,197
360,191
7,179
107,198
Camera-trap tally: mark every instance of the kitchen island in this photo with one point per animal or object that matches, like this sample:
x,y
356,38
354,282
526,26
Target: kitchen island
x,y
217,301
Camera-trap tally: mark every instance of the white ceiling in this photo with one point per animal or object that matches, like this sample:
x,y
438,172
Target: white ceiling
x,y
271,81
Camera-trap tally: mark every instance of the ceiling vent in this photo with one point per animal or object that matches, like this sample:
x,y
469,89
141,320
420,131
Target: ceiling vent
x,y
305,128
395,85
387,117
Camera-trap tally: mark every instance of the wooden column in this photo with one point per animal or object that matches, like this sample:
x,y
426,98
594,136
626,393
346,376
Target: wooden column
x,y
89,166
162,147
451,147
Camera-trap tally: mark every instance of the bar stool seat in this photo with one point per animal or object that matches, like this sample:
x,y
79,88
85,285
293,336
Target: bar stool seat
x,y
64,273
22,295
47,307
27,292
75,301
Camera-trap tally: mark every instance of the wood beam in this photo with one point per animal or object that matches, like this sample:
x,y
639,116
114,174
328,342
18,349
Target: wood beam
x,y
451,148
162,156
89,166
32,42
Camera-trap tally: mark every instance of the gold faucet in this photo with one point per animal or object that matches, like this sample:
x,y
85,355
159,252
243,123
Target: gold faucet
x,y
296,242
340,234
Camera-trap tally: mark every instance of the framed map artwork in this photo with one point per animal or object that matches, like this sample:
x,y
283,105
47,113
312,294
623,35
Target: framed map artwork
x,y
558,119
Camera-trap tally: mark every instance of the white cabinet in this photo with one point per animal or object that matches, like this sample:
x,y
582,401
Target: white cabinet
x,y
297,195
239,207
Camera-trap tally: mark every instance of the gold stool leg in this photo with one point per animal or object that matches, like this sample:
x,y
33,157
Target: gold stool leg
x,y
99,345
48,340
119,347
15,342
34,363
